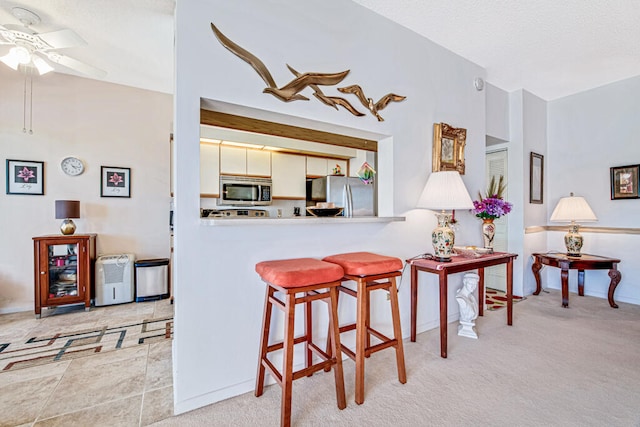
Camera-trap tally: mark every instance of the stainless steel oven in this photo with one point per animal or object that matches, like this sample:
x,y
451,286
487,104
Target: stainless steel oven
x,y
242,191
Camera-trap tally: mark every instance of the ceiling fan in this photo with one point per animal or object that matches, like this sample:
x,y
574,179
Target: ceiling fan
x,y
37,51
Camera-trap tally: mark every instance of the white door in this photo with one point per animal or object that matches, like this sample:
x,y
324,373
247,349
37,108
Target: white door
x,y
495,277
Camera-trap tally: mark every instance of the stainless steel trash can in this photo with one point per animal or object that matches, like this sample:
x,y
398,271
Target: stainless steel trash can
x,y
152,279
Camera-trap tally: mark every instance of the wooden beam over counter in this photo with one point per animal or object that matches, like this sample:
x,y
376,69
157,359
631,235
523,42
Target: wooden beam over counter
x,y
215,118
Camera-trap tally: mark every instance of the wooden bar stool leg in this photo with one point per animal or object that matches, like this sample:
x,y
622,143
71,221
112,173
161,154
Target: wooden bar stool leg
x,y
329,347
287,364
367,324
397,332
264,340
361,332
308,331
334,339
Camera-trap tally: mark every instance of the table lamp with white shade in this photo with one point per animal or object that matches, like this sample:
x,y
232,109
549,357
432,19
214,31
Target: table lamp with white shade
x,y
444,191
572,209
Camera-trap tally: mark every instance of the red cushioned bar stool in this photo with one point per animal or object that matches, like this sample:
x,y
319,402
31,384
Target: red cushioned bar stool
x,y
301,281
370,272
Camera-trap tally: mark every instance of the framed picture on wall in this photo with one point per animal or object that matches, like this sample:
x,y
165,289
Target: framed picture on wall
x,y
536,178
448,148
624,182
25,177
115,181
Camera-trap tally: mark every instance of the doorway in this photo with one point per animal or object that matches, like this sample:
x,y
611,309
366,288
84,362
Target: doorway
x,y
496,166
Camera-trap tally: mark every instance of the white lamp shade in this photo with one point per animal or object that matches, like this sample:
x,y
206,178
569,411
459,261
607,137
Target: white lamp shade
x,y
41,65
445,191
573,209
21,56
11,60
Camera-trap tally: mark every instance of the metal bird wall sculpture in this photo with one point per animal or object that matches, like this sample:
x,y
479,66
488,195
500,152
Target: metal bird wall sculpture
x,y
291,91
331,101
368,102
288,92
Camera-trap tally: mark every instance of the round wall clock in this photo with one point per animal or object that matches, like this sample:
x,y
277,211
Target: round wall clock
x,y
72,166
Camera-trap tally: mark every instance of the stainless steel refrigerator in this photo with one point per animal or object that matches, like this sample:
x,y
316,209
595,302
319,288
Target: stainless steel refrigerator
x,y
356,197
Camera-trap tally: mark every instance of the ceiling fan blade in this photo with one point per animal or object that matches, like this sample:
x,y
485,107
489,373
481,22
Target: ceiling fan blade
x,y
62,38
76,65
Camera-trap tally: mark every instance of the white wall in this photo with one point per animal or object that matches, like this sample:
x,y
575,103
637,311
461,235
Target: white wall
x,y
219,297
104,125
497,102
534,133
588,133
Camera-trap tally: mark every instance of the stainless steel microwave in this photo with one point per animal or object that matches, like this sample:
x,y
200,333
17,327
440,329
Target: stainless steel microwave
x,y
241,190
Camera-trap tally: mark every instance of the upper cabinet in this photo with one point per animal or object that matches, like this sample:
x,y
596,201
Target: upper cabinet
x,y
288,176
233,160
243,161
209,170
320,166
258,163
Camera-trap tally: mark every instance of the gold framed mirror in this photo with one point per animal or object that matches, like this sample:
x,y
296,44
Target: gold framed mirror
x,y
448,148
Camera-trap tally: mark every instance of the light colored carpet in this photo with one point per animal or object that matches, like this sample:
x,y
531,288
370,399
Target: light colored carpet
x,y
554,367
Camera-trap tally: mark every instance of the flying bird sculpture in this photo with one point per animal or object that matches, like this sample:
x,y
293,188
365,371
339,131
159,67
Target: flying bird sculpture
x,y
331,101
288,92
368,102
291,91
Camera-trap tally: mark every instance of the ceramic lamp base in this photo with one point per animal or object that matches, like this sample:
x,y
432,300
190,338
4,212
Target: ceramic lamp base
x,y
443,238
573,241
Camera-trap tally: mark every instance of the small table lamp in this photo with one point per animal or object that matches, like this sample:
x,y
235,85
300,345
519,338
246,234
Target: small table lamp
x,y
67,209
572,209
444,191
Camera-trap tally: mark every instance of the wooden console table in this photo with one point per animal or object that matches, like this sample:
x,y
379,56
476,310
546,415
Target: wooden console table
x,y
458,265
582,263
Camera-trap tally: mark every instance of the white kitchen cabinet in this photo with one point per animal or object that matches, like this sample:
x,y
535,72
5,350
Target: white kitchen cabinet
x,y
289,176
322,166
233,160
258,163
316,166
243,161
209,170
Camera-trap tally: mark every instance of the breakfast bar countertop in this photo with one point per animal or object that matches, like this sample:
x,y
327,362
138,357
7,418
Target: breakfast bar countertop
x,y
307,220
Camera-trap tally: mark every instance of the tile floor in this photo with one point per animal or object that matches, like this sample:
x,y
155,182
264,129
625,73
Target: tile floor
x,y
131,386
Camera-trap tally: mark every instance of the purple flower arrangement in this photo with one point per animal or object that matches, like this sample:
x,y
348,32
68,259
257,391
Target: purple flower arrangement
x,y
493,205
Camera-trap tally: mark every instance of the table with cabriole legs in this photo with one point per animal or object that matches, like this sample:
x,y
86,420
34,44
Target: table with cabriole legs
x,y
584,262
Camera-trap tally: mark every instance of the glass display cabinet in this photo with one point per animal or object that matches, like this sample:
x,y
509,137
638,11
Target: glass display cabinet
x,y
63,270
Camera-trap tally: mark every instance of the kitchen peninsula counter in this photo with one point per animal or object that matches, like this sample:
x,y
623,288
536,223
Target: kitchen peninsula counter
x,y
306,220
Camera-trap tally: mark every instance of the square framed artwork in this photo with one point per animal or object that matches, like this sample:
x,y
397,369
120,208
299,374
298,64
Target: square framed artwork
x,y
536,178
25,177
448,148
115,181
624,182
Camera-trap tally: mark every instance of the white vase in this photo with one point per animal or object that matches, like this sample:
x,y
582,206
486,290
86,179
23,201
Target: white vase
x,y
488,232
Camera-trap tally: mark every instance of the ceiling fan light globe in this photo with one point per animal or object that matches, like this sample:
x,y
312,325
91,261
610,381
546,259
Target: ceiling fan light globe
x,y
42,66
22,54
10,60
